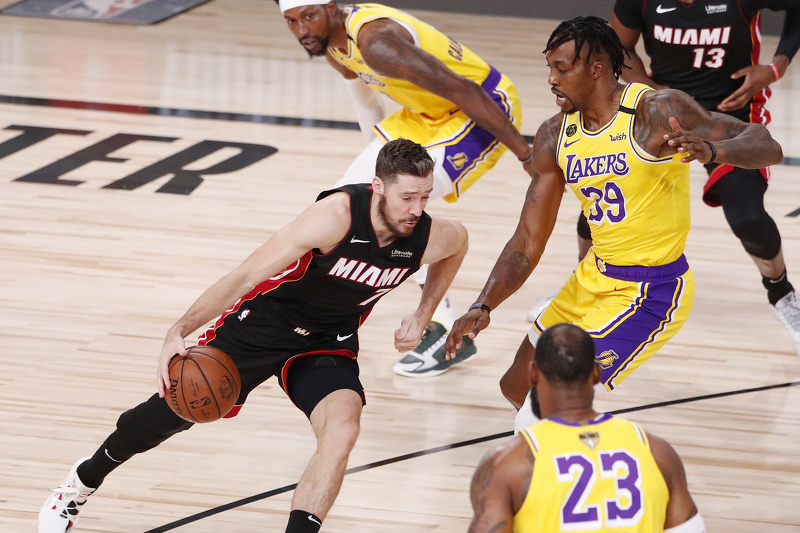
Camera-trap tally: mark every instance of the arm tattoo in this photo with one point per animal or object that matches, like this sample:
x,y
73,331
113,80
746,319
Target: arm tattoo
x,y
652,118
516,267
481,483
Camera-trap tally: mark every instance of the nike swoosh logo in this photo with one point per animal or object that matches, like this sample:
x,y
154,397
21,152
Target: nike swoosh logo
x,y
567,145
354,240
315,521
340,338
661,10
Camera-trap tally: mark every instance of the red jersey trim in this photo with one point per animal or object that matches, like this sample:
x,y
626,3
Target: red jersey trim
x,y
293,272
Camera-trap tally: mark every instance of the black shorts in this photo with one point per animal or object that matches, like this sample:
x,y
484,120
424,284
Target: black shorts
x,y
308,365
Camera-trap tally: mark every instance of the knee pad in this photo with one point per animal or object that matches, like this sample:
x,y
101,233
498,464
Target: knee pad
x,y
757,231
144,427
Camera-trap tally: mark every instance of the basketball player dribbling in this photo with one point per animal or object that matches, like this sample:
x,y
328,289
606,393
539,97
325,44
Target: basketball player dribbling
x,y
292,310
623,150
577,469
460,108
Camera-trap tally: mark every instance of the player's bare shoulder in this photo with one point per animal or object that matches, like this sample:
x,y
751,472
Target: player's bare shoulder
x,y
447,238
653,112
507,469
326,222
545,143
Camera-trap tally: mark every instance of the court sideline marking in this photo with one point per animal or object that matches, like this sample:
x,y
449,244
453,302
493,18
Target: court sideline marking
x,y
430,451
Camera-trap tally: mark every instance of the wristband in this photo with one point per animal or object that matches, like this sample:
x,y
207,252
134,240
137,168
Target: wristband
x,y
480,306
775,71
713,153
527,159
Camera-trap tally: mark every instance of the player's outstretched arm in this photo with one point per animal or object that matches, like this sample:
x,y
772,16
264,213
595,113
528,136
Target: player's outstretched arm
x,y
681,510
447,246
499,487
522,253
388,49
322,225
684,126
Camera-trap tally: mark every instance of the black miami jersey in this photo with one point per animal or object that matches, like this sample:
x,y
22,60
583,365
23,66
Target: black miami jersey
x,y
696,48
332,292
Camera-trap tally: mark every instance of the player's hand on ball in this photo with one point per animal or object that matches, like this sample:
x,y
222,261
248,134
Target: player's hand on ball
x,y
173,345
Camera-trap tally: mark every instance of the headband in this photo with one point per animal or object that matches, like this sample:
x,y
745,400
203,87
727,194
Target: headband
x,y
290,4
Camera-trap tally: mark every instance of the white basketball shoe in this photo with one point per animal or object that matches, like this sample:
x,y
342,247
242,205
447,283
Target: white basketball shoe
x,y
60,511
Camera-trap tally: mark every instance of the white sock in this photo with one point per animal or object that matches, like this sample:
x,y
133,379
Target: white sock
x,y
420,275
445,313
525,416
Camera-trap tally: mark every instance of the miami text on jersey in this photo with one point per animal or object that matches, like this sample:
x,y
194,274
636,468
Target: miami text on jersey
x,y
692,36
362,272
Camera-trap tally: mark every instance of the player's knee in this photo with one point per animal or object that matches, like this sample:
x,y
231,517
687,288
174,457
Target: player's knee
x,y
748,226
340,437
758,233
144,427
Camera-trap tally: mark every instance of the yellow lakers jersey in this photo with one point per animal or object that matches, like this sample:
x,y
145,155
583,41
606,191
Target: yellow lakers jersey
x,y
454,55
637,204
599,476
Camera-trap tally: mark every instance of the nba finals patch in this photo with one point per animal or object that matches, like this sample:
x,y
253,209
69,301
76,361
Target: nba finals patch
x,y
139,12
591,439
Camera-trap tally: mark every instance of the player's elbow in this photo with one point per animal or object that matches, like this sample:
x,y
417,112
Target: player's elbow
x,y
778,153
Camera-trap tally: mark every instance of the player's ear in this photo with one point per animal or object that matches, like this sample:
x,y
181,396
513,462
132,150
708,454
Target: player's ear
x,y
533,374
331,8
598,68
597,374
377,185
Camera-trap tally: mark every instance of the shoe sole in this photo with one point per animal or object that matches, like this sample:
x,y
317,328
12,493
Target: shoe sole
x,y
430,373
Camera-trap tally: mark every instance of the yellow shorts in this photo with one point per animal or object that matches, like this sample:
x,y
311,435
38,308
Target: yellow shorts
x,y
466,150
630,312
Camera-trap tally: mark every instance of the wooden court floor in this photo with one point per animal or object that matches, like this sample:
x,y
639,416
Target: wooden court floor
x,y
93,275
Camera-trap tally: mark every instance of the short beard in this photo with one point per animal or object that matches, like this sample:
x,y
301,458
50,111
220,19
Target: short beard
x,y
535,407
322,50
394,230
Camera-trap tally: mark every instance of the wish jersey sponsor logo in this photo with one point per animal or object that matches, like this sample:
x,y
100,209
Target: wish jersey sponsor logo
x,y
692,36
600,165
362,272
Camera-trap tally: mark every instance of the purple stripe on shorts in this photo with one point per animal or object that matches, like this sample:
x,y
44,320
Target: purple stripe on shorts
x,y
677,268
462,157
618,348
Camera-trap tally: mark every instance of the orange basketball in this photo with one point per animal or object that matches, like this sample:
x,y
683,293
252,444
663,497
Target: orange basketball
x,y
204,385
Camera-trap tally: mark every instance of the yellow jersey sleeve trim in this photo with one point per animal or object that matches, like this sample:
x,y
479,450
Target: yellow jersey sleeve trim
x,y
561,131
527,434
641,434
630,98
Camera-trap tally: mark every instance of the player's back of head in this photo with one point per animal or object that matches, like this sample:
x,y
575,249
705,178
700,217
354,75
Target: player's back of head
x,y
565,353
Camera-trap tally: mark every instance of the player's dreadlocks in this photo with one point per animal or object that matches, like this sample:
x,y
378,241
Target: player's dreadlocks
x,y
595,32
